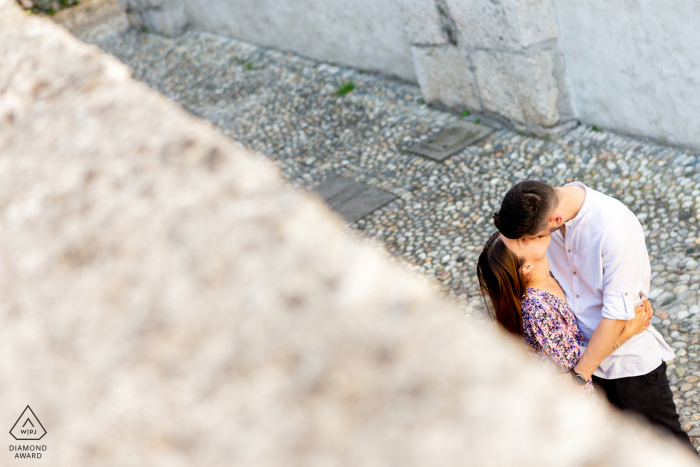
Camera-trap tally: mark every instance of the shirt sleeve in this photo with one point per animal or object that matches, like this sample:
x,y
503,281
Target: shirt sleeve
x,y
549,336
625,266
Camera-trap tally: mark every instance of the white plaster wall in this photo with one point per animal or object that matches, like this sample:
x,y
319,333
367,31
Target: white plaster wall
x,y
368,34
634,66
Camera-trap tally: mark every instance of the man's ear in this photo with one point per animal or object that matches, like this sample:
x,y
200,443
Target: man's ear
x,y
556,219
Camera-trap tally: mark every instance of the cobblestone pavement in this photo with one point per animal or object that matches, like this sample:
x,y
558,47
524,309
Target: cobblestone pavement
x,y
287,108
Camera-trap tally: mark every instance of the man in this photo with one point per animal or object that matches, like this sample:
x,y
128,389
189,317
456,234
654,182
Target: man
x,y
599,256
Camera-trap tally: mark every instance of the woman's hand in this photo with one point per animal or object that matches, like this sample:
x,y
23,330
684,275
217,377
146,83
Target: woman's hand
x,y
640,322
642,319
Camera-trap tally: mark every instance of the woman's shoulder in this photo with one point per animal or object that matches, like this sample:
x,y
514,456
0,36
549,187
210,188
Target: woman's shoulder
x,y
534,301
533,295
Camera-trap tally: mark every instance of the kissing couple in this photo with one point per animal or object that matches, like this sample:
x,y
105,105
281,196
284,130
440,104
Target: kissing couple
x,y
568,271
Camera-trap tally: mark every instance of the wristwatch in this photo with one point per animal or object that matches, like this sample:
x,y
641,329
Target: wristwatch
x,y
579,380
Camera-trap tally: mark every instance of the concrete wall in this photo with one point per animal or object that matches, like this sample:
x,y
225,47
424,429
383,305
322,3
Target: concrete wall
x,y
366,34
499,57
634,67
166,300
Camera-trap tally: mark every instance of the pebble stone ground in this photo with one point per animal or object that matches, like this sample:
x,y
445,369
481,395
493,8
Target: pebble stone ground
x,y
286,107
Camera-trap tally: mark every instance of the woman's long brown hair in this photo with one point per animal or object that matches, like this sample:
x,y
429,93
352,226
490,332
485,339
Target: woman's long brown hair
x,y
500,278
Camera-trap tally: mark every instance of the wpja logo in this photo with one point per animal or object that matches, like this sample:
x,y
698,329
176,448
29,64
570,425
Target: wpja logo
x,y
28,428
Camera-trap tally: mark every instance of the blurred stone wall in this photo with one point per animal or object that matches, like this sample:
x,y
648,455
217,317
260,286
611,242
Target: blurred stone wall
x,y
166,300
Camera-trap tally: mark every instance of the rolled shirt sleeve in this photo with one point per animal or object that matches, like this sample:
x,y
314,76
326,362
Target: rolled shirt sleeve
x,y
625,266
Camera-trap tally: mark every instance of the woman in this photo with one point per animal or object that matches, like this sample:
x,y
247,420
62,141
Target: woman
x,y
528,302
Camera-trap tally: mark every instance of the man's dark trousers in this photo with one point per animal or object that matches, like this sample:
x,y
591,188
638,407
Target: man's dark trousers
x,y
648,395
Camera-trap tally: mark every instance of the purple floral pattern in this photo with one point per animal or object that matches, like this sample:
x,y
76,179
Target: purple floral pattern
x,y
549,327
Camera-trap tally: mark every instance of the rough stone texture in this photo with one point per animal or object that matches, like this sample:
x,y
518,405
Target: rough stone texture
x,y
166,301
167,17
422,22
634,67
520,87
503,24
446,77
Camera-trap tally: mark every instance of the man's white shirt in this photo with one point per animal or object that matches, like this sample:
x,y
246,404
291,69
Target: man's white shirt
x,y
603,266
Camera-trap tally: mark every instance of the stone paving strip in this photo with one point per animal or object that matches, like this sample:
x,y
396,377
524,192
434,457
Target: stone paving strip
x,y
318,120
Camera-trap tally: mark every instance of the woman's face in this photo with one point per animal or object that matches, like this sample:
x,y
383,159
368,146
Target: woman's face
x,y
531,250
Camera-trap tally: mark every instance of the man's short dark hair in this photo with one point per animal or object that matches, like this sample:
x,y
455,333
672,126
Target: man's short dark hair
x,y
525,209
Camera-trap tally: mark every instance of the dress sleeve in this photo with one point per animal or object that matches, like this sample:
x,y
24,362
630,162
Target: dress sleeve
x,y
548,335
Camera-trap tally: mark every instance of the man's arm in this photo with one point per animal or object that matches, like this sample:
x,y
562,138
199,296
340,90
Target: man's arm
x,y
599,345
625,268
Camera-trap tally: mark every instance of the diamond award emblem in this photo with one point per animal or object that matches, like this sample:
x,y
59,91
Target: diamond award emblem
x,y
28,427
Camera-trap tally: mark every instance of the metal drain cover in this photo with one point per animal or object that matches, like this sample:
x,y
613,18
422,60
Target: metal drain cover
x,y
450,140
352,200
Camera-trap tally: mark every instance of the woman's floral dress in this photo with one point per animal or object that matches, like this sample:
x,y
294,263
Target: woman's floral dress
x,y
549,327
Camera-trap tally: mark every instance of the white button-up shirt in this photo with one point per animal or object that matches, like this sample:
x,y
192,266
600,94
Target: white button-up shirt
x,y
601,262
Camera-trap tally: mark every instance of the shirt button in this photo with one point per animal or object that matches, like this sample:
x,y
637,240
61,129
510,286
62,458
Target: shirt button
x,y
625,292
576,296
574,273
568,251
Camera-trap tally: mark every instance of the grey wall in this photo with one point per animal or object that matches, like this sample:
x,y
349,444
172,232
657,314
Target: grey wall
x,y
627,66
366,34
500,57
634,66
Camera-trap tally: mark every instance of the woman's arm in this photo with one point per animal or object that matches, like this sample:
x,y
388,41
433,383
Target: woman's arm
x,y
550,337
